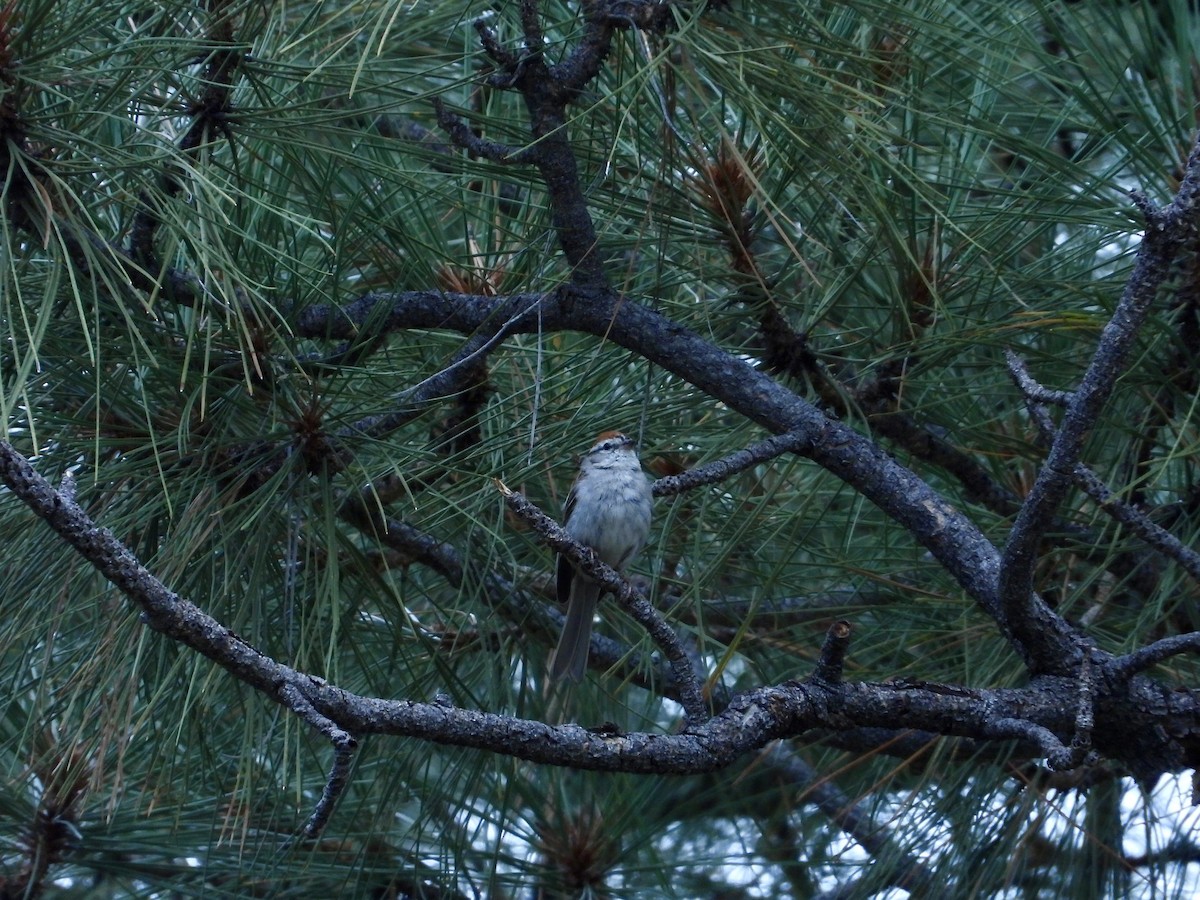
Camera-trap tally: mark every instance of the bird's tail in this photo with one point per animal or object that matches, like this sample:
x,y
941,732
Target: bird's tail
x,y
571,656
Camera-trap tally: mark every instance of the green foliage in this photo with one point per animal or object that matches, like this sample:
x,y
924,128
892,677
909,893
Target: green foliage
x,y
930,184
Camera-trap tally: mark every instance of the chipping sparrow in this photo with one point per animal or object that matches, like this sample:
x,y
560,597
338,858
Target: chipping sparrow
x,y
608,510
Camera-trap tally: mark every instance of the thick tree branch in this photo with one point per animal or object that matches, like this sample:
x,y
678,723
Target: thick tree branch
x,y
1022,614
950,536
547,92
1149,727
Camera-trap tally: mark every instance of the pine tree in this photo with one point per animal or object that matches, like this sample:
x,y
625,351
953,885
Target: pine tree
x,y
308,308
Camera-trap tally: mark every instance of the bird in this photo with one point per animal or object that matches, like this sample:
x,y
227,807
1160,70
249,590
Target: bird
x,y
608,510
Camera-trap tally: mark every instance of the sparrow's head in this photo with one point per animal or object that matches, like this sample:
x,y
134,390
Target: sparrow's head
x,y
612,449
611,440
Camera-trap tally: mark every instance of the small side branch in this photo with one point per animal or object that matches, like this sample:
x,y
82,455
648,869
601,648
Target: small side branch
x,y
1031,388
462,136
1126,667
728,466
1058,756
1138,522
364,510
584,62
1089,482
547,92
455,377
492,46
344,745
531,25
833,654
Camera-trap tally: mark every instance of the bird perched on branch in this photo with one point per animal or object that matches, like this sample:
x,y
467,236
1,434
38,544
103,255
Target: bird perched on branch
x,y
608,510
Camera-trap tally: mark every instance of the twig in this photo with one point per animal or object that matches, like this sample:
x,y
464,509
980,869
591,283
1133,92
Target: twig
x,y
1031,388
1125,667
441,384
491,44
531,26
463,137
728,466
1138,522
1058,757
344,745
833,655
1089,482
775,613
1085,716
